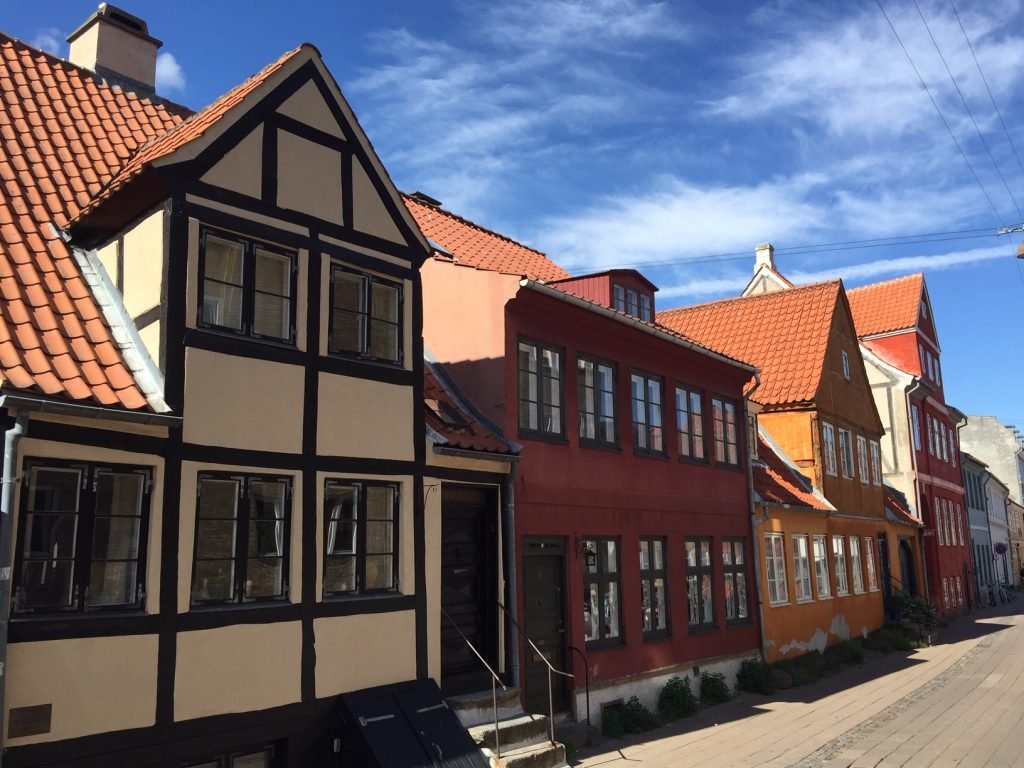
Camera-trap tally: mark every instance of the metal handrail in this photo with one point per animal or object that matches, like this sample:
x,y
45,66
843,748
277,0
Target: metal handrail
x,y
495,682
551,670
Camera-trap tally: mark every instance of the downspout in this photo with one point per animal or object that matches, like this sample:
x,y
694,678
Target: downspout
x,y
511,572
11,439
754,524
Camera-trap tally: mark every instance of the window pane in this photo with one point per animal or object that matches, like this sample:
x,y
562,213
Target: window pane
x,y
645,605
659,555
660,607
348,291
54,490
384,302
46,584
112,583
340,574
216,538
693,599
50,536
267,500
272,316
741,595
222,305
380,572
612,559
611,610
590,613
223,260
645,556
218,498
379,538
383,340
380,503
116,538
273,272
266,538
119,493
214,580
263,577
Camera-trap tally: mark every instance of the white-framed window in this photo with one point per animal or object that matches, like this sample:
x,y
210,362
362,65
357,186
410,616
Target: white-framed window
x,y
775,568
846,366
938,373
915,418
801,570
942,442
839,566
821,580
828,434
924,361
959,591
869,562
952,447
945,592
855,565
960,523
939,527
876,463
931,436
862,459
846,452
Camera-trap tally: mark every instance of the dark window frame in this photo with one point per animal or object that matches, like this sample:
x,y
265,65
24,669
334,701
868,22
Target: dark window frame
x,y
85,525
602,578
698,571
366,343
722,402
647,379
541,433
248,286
730,572
688,434
227,759
240,556
598,414
361,553
648,577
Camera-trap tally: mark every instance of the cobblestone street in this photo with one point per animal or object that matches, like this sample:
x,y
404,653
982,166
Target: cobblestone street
x,y
959,703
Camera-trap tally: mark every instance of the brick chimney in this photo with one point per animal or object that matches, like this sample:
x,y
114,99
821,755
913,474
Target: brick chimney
x,y
764,254
116,46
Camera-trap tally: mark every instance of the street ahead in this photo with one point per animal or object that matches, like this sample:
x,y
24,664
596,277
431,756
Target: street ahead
x,y
960,703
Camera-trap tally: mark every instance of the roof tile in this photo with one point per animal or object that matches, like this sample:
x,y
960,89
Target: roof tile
x,y
892,305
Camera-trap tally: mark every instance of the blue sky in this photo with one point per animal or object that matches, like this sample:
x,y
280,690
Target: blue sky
x,y
624,132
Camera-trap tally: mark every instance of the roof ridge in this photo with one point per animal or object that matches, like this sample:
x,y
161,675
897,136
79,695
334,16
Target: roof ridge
x,y
834,281
473,224
154,97
886,282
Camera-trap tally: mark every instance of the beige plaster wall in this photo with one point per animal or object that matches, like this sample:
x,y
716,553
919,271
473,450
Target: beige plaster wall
x,y
355,652
368,210
358,417
187,527
406,555
308,106
241,168
241,402
143,263
95,685
367,251
241,668
32,448
308,177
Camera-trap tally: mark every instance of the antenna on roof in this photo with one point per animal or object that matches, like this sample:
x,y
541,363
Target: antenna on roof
x,y
425,199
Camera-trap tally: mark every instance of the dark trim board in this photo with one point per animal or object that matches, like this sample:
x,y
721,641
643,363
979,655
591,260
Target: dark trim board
x,y
465,475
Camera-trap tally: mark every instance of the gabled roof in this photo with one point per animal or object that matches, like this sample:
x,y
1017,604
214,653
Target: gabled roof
x,y
454,421
474,246
898,509
63,136
778,481
892,305
783,333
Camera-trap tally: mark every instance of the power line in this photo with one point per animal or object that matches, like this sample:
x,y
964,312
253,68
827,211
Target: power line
x,y
939,111
969,113
985,80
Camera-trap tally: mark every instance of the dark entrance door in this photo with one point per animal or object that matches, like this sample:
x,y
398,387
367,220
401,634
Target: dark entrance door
x,y
469,585
544,621
908,576
886,569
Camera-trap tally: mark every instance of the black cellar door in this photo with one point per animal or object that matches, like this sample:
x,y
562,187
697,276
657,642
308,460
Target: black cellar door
x,y
469,586
544,621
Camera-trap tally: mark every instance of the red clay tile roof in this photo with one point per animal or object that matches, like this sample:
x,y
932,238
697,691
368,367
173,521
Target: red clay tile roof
x,y
475,246
783,333
896,503
188,130
63,136
889,306
447,415
776,481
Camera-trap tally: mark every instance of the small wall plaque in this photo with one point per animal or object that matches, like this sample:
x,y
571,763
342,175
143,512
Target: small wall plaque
x,y
29,721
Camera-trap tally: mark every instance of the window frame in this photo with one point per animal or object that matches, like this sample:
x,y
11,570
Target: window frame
x,y
85,523
828,445
699,571
863,471
687,435
647,379
805,566
247,287
915,419
846,366
856,564
361,554
227,759
819,582
876,462
337,266
839,566
602,578
540,433
846,454
240,556
731,572
871,569
722,402
774,563
648,576
597,441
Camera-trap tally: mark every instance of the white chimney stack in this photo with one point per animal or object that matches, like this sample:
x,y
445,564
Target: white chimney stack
x,y
764,254
116,45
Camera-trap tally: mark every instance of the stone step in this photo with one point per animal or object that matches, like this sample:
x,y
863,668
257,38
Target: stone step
x,y
546,755
478,708
515,732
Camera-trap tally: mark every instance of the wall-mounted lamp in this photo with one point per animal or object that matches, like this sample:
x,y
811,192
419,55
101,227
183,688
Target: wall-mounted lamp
x,y
589,553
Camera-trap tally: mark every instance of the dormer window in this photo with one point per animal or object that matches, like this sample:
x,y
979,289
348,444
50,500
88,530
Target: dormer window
x,y
632,302
846,366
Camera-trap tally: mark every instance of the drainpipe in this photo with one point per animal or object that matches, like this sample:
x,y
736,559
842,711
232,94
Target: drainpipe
x,y
10,476
754,524
511,572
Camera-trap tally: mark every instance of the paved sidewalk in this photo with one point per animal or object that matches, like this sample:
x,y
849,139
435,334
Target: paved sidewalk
x,y
959,703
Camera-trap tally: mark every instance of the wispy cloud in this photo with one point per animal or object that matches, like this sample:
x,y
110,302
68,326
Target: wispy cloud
x,y
170,77
50,40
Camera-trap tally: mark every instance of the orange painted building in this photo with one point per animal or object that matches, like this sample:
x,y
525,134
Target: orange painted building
x,y
824,554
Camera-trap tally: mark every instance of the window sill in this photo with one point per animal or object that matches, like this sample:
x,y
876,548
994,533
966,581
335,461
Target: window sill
x,y
691,460
542,437
606,645
248,605
353,597
397,365
783,604
804,601
228,333
739,623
